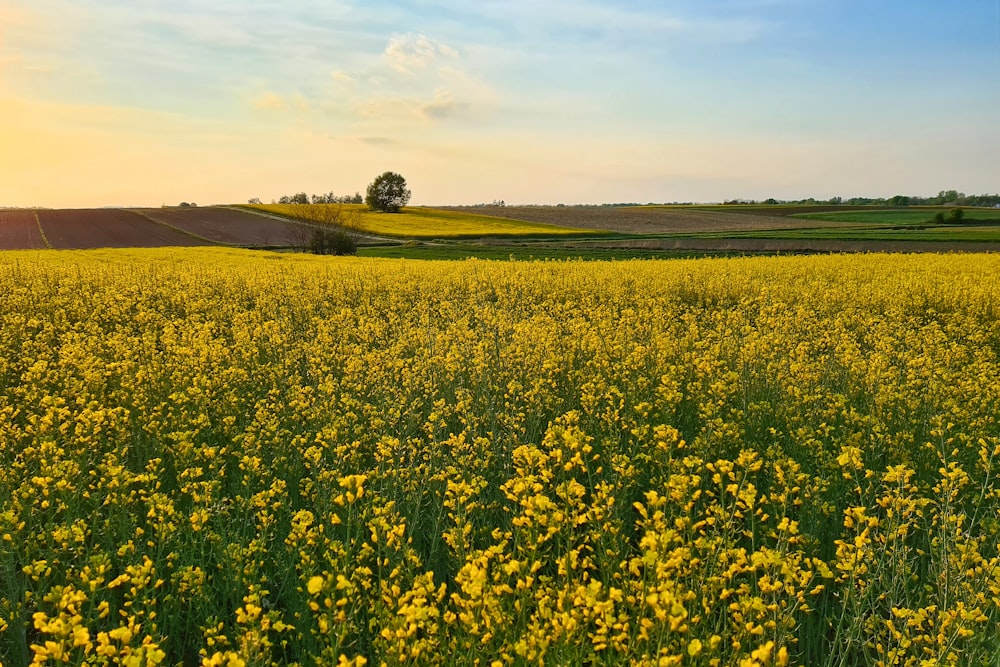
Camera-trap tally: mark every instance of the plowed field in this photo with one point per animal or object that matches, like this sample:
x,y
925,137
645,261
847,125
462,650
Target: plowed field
x,y
229,226
19,231
109,228
645,219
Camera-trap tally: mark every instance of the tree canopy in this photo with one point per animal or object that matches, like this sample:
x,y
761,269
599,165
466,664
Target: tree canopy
x,y
388,193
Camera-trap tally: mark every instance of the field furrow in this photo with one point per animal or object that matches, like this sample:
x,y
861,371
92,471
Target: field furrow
x,y
231,226
108,228
19,230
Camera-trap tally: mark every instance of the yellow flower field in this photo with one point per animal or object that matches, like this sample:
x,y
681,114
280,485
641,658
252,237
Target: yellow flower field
x,y
218,457
421,222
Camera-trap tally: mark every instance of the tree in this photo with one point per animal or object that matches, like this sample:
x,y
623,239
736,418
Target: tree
x,y
956,215
948,197
388,193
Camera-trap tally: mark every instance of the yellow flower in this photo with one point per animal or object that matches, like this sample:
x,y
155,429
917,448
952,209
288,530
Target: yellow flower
x,y
315,585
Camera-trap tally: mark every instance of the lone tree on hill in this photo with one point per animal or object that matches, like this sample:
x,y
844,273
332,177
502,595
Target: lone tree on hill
x,y
387,193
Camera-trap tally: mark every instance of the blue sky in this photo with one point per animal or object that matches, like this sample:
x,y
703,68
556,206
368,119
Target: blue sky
x,y
142,102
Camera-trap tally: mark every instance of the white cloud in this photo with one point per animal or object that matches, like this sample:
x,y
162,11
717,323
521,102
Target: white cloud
x,y
416,81
409,54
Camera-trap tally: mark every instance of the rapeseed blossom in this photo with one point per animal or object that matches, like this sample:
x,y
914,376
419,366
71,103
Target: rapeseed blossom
x,y
214,457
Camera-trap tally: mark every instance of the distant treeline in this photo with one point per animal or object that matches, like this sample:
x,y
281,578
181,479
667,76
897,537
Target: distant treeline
x,y
303,198
943,198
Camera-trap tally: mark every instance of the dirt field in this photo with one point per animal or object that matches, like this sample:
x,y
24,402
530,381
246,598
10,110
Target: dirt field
x,y
643,220
230,226
19,231
785,210
73,229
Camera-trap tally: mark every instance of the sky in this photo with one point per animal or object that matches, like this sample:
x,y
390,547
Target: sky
x,y
149,102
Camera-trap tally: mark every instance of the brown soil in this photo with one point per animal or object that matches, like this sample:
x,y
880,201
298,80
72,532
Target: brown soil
x,y
783,210
108,228
19,230
643,220
230,226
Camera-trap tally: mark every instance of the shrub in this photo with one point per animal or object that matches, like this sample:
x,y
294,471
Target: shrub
x,y
332,241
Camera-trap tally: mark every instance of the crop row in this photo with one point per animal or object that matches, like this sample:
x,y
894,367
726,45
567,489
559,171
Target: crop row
x,y
73,229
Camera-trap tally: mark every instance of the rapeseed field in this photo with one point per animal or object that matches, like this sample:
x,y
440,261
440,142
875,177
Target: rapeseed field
x,y
217,457
420,222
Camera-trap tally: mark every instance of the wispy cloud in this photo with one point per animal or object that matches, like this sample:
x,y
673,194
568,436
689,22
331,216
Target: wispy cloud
x,y
294,103
377,141
597,22
409,54
269,101
443,105
343,78
158,56
417,80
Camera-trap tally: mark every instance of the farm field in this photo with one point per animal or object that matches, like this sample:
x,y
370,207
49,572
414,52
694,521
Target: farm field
x,y
230,226
550,232
19,230
646,220
216,456
937,234
429,223
914,224
780,210
849,224
108,228
911,216
772,243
